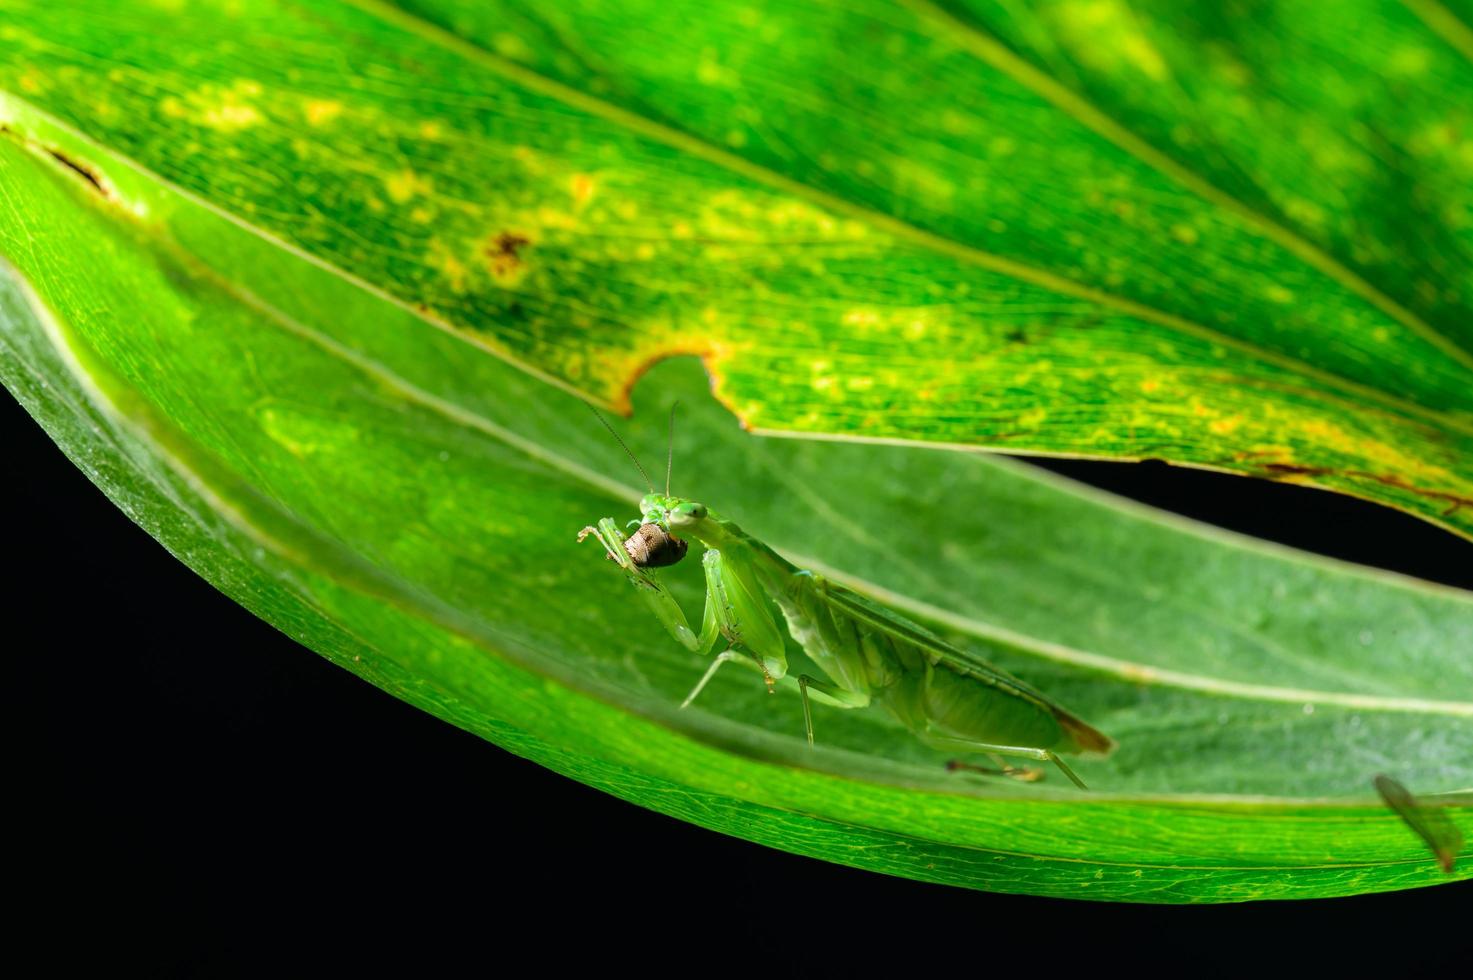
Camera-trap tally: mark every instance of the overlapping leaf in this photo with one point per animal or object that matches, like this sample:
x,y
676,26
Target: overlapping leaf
x,y
1231,236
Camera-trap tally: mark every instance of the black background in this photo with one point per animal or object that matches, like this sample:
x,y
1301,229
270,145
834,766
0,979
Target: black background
x,y
199,795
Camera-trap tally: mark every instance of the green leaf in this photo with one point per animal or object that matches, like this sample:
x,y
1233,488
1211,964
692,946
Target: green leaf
x,y
1234,237
408,507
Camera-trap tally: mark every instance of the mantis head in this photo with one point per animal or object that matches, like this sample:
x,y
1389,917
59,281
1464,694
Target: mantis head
x,y
673,513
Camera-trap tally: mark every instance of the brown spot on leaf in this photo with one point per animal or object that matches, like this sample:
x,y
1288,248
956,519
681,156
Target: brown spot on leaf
x,y
505,254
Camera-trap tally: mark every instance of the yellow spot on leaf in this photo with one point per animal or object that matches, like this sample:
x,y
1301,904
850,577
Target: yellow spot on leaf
x,y
512,46
581,187
1032,418
320,112
550,217
406,184
231,116
709,71
1144,56
1223,426
452,268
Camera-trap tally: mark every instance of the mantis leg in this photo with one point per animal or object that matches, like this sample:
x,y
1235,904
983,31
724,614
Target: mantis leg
x,y
1020,773
608,535
660,601
726,656
1017,751
833,694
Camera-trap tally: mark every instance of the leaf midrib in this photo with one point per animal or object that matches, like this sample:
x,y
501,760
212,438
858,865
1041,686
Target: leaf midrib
x,y
685,141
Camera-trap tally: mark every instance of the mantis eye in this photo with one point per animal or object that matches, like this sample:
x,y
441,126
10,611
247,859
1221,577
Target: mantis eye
x,y
690,511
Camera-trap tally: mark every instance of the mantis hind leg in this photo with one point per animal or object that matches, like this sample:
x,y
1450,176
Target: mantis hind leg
x,y
1016,751
828,694
1020,773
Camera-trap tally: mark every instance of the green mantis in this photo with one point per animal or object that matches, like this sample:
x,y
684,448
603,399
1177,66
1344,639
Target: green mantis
x,y
947,697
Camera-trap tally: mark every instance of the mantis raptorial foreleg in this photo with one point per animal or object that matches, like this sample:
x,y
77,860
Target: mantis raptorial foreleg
x,y
608,535
737,609
661,602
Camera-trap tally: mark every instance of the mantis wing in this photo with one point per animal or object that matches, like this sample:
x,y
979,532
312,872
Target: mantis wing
x,y
881,620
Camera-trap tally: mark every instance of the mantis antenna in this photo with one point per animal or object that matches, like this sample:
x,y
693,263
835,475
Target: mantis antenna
x,y
647,482
670,454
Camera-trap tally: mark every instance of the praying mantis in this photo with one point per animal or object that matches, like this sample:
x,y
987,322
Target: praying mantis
x,y
949,698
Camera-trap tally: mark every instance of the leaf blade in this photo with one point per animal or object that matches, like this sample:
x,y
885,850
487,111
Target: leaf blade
x,y
325,455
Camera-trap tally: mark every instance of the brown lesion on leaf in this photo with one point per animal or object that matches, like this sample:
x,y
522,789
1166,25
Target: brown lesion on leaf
x,y
79,169
623,402
1292,471
504,255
